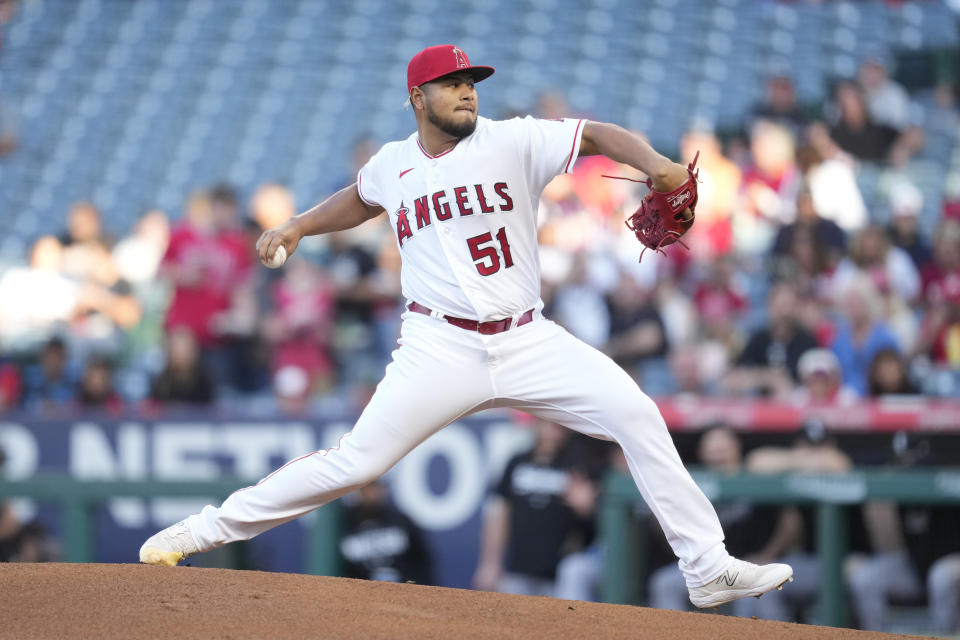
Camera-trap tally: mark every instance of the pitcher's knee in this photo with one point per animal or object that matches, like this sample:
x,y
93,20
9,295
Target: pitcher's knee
x,y
643,410
360,476
634,413
352,469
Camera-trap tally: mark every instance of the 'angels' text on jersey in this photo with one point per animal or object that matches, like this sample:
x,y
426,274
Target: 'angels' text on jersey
x,y
465,220
467,201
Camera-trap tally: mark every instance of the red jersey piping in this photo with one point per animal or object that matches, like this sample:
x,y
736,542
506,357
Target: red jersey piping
x,y
360,192
573,147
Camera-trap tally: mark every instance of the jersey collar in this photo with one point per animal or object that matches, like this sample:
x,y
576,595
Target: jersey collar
x,y
439,155
481,122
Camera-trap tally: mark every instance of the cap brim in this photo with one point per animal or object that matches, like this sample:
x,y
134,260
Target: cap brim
x,y
478,73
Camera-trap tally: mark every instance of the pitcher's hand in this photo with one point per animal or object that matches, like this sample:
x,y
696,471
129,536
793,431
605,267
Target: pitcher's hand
x,y
288,234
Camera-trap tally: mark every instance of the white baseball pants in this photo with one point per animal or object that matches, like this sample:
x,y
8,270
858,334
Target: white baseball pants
x,y
441,373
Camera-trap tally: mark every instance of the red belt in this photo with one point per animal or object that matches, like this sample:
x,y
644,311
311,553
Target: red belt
x,y
486,328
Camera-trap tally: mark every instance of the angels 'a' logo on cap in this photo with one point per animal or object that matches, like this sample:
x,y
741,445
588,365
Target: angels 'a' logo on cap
x,y
461,58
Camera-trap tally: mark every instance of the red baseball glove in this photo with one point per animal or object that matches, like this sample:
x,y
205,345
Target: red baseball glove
x,y
662,217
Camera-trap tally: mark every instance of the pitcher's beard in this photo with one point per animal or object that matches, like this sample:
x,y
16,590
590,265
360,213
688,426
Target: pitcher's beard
x,y
456,129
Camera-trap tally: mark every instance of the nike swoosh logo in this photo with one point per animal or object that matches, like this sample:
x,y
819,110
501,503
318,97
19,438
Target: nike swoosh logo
x,y
403,173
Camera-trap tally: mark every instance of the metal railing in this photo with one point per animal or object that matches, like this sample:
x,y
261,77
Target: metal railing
x,y
830,494
622,537
77,499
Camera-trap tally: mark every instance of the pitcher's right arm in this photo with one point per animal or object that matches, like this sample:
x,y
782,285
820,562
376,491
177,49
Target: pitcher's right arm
x,y
343,210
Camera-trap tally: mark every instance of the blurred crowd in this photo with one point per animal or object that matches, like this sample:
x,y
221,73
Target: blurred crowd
x,y
792,288
180,313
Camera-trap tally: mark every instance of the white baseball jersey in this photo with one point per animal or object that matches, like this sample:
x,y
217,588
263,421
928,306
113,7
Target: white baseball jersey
x,y
465,220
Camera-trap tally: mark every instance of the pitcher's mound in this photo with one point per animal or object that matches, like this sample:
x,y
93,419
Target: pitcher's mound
x,y
136,601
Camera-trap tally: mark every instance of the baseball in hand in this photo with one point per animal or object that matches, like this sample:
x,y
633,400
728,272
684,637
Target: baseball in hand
x,y
279,257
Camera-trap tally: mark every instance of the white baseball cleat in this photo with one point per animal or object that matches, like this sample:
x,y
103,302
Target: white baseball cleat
x,y
170,546
741,579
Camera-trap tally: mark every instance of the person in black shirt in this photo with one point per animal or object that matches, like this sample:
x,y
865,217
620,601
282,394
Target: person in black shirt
x,y
758,532
768,364
853,131
381,543
828,237
889,375
528,524
637,333
780,106
184,379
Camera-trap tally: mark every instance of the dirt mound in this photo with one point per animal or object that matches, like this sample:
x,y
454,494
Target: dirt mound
x,y
134,601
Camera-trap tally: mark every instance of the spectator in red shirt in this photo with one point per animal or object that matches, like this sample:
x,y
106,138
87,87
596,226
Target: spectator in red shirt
x,y
198,279
721,301
208,262
300,323
237,361
940,332
721,294
768,189
941,278
11,386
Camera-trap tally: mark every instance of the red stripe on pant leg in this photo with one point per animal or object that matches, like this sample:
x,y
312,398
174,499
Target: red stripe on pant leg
x,y
277,471
322,453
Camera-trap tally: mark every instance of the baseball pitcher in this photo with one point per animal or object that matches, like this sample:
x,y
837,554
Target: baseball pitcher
x,y
461,195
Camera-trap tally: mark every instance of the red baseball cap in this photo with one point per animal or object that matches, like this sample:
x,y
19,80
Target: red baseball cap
x,y
437,61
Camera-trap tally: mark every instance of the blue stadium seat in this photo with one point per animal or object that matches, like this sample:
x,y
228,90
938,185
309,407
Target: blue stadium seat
x,y
264,90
